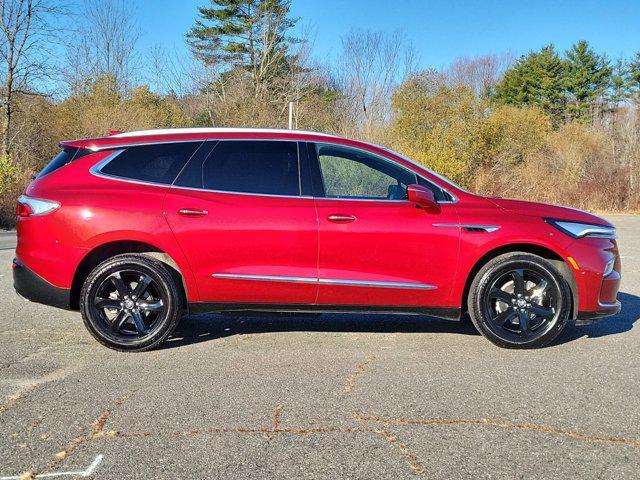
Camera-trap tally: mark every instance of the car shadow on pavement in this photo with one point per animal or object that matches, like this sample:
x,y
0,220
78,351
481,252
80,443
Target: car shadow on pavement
x,y
201,328
620,323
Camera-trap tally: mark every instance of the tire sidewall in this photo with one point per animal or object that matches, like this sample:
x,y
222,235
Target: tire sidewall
x,y
164,281
497,267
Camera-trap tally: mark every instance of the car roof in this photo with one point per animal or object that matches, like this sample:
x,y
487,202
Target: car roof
x,y
186,134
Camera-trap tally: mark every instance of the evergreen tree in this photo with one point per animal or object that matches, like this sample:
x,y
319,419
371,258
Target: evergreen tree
x,y
588,76
619,90
246,34
633,77
536,79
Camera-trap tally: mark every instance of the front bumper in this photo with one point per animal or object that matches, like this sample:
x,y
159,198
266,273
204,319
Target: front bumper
x,y
31,286
587,318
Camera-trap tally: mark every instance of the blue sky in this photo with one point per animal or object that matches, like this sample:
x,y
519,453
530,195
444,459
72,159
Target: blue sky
x,y
440,30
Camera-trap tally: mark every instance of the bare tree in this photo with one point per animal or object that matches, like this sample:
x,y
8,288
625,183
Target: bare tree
x,y
373,64
26,32
481,73
108,34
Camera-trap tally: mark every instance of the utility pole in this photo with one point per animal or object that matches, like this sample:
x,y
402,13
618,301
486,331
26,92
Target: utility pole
x,y
290,115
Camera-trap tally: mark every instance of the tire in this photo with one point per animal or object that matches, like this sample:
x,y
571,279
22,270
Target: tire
x,y
519,300
131,303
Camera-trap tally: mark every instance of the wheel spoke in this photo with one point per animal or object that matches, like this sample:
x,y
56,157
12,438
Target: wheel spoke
x,y
505,317
524,322
145,281
544,312
151,307
137,319
518,281
501,295
119,321
122,289
108,303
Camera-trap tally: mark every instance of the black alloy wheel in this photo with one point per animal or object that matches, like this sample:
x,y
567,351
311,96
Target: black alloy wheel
x,y
519,301
130,302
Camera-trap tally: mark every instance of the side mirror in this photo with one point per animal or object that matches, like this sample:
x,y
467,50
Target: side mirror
x,y
423,198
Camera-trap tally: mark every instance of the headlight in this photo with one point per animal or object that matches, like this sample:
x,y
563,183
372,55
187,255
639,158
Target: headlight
x,y
579,230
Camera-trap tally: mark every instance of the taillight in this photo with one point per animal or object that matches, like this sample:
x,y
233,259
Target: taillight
x,y
29,207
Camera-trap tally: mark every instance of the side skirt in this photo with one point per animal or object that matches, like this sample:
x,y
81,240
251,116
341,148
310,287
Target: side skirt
x,y
447,313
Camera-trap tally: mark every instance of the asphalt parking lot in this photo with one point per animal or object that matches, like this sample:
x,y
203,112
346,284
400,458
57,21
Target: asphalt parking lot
x,y
334,396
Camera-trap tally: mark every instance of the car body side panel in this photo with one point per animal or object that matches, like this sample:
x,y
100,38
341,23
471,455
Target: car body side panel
x,y
590,254
244,243
95,211
392,242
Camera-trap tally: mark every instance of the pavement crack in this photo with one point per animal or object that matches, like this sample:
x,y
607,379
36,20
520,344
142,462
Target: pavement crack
x,y
411,459
276,418
97,430
351,381
491,422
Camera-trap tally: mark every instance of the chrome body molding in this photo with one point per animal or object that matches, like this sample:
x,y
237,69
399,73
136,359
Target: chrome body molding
x,y
469,226
374,283
265,278
324,281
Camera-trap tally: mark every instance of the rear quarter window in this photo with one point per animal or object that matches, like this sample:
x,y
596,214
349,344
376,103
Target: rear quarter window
x,y
66,156
159,163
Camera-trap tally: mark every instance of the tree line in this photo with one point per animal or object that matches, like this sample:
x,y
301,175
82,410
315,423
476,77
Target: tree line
x,y
554,126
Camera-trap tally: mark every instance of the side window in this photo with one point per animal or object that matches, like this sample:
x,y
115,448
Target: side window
x,y
158,163
349,173
261,167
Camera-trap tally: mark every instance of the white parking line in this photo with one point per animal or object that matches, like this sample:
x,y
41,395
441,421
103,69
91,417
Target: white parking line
x,y
85,473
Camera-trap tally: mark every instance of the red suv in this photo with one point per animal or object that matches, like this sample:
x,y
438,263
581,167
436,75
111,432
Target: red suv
x,y
138,229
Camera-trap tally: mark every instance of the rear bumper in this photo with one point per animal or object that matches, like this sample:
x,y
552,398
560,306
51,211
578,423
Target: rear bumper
x,y
31,286
586,318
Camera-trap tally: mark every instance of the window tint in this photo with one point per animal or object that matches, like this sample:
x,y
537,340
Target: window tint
x,y
159,163
348,173
263,167
439,194
65,157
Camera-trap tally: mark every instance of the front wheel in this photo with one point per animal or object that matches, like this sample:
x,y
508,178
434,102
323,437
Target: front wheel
x,y
519,300
130,302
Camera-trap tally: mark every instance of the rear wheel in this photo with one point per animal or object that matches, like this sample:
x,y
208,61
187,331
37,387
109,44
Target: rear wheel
x,y
519,300
130,302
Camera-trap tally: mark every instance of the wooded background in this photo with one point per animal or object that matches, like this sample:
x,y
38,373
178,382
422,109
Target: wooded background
x,y
555,126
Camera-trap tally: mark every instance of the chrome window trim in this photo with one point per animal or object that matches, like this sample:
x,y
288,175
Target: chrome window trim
x,y
240,193
325,281
487,228
96,169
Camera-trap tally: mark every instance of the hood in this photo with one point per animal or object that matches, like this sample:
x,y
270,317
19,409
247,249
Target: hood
x,y
536,209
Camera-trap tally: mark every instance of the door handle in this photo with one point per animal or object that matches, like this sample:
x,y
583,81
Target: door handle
x,y
192,212
341,218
